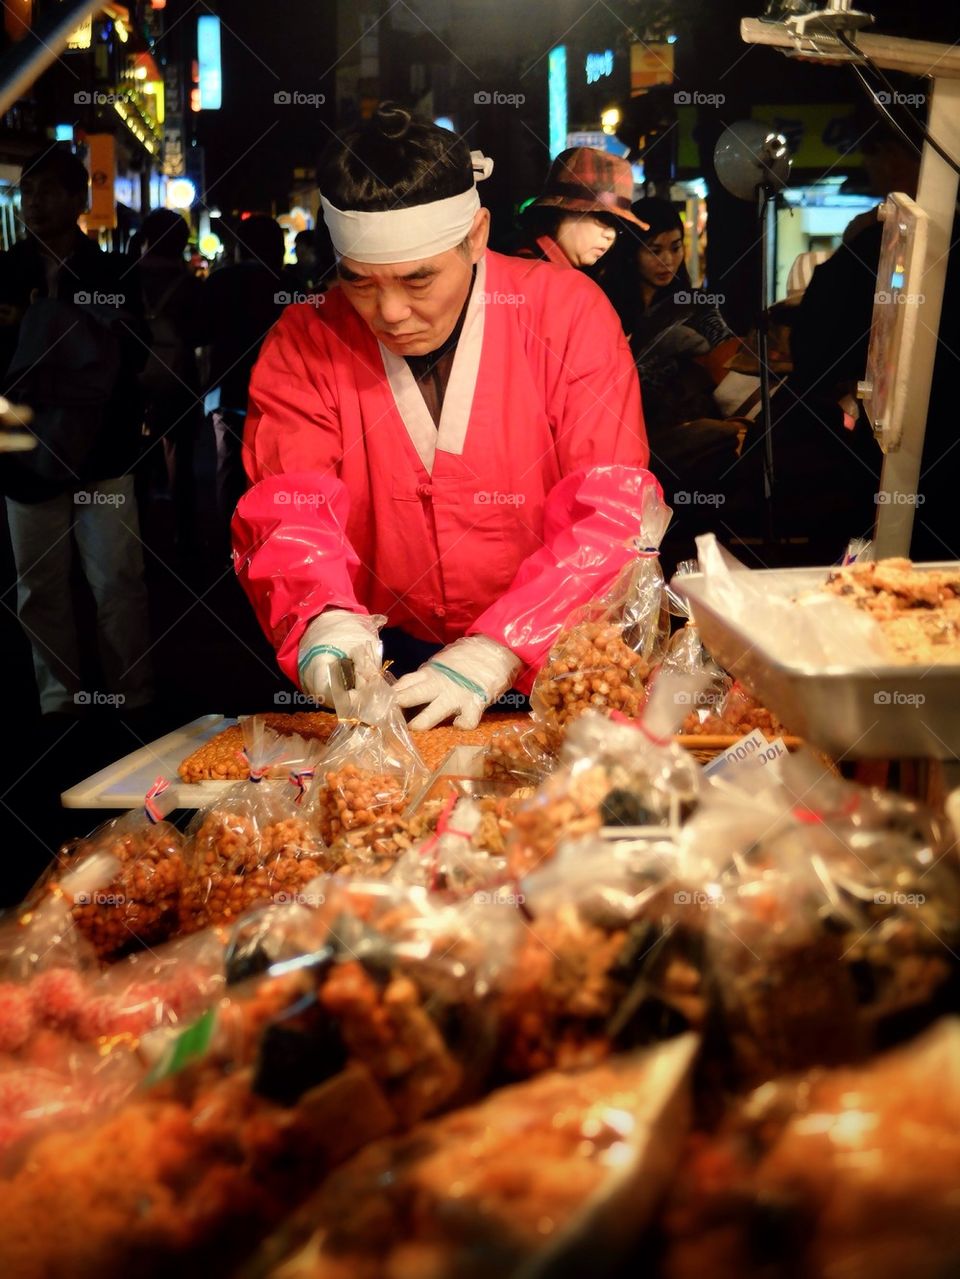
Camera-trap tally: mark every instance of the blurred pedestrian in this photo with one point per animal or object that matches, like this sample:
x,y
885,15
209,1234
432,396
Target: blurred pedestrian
x,y
72,343
175,311
245,298
300,276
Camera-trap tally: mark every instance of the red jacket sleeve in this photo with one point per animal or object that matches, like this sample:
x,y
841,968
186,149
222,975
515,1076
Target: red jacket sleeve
x,y
592,520
291,553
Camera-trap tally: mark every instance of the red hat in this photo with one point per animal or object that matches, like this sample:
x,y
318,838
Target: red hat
x,y
585,180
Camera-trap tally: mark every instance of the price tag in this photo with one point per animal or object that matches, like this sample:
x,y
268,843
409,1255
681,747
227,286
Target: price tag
x,y
773,751
744,753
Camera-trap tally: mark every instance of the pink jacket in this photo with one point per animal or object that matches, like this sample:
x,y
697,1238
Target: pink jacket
x,y
522,505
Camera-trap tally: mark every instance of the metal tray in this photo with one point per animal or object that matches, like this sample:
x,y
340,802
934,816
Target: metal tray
x,y
851,712
123,784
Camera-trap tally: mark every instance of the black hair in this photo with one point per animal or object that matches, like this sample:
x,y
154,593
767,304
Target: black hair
x,y
260,239
660,215
394,160
63,166
165,233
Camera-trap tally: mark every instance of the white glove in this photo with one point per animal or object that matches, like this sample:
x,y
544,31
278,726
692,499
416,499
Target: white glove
x,y
328,639
462,680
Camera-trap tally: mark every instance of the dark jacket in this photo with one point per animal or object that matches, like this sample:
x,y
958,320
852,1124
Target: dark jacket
x,y
74,358
172,292
245,300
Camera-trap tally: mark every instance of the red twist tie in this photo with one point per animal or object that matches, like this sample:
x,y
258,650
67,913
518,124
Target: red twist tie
x,y
149,807
299,778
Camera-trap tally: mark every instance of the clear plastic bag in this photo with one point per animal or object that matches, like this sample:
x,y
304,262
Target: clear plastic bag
x,y
255,844
369,771
842,1173
140,905
607,648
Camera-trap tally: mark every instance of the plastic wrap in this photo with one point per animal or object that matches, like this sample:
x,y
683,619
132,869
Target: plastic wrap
x,y
832,915
617,773
140,905
563,1174
841,1174
369,770
522,754
465,854
608,647
255,844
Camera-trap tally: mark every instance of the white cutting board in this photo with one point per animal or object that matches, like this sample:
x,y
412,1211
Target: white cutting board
x,y
124,783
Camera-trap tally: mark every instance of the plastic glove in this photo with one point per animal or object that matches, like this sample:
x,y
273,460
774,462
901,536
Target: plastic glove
x,y
462,680
329,638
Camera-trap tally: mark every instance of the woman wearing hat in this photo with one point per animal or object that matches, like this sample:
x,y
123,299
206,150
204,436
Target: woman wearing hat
x,y
585,202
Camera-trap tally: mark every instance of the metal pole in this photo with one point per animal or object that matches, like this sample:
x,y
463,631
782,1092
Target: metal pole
x,y
765,195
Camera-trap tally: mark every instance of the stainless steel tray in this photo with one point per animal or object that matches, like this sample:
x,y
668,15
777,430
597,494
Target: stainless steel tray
x,y
851,712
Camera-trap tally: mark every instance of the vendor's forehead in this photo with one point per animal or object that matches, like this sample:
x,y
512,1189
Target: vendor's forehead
x,y
420,268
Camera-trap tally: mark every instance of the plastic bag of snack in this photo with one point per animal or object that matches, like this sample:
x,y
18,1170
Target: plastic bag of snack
x,y
140,905
848,1172
255,842
370,769
564,1174
607,648
456,859
522,754
613,773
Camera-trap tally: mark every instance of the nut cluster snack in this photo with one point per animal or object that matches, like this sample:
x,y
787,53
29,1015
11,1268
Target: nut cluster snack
x,y
139,907
591,668
355,798
521,753
918,610
237,865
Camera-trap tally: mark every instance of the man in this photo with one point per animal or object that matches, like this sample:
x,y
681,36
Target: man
x,y
450,440
71,345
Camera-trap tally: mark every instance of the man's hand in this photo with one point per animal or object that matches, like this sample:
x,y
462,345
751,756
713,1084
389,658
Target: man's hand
x,y
462,680
331,637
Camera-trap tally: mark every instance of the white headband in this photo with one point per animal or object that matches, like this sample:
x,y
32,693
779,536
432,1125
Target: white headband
x,y
406,235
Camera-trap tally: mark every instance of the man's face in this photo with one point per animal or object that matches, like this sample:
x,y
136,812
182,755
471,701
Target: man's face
x,y
585,238
46,207
412,307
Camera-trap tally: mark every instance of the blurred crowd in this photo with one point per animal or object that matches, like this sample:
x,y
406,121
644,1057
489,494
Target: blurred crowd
x,y
128,361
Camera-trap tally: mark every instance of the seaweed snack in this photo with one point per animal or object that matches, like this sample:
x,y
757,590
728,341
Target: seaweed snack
x,y
557,1175
607,649
369,771
837,1173
612,773
140,905
255,844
